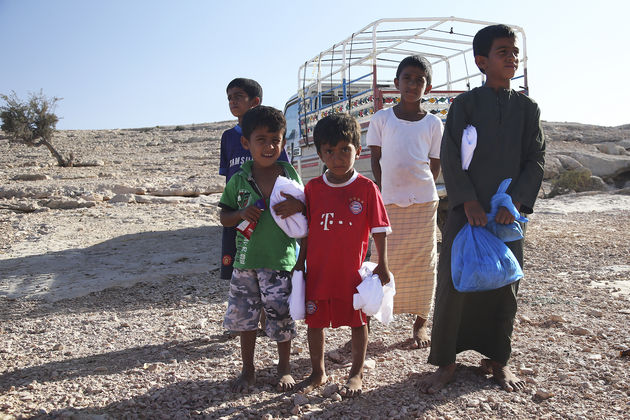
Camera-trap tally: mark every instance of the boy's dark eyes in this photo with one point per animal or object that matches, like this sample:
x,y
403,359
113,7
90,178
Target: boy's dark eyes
x,y
505,52
417,80
346,149
273,141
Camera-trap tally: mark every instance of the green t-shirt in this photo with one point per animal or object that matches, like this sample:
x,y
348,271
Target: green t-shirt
x,y
268,247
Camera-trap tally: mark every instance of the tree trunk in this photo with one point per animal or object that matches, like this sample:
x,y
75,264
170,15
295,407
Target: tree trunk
x,y
60,159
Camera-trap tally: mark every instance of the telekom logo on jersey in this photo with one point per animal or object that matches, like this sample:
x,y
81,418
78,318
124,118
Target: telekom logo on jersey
x,y
327,220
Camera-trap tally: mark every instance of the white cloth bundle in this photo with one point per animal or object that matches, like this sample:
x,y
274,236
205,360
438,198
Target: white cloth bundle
x,y
295,226
469,142
297,298
370,295
373,298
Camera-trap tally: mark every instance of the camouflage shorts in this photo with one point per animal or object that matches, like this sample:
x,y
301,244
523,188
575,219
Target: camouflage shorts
x,y
254,290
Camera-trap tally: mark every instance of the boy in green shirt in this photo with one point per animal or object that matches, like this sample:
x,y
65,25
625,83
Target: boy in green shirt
x,y
265,255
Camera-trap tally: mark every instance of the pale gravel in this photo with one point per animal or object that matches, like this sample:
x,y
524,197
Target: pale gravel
x,y
153,346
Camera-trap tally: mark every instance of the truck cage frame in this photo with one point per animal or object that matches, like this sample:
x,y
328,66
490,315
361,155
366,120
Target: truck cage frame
x,y
356,75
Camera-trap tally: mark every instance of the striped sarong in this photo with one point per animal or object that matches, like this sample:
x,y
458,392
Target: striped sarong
x,y
412,256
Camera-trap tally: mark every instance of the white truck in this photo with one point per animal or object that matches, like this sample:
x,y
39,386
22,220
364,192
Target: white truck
x,y
357,74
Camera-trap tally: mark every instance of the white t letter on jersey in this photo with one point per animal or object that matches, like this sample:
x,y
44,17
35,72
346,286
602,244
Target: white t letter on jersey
x,y
325,222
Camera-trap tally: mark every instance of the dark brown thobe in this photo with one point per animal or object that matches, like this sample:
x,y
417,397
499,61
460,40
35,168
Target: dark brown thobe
x,y
510,144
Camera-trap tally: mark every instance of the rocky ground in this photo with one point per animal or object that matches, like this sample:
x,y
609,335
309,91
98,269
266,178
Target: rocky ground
x,y
111,306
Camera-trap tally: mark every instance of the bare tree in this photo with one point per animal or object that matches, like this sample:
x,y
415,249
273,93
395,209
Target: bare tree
x,y
32,122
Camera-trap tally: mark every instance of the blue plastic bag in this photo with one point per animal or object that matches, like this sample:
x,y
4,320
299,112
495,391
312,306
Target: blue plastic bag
x,y
480,261
512,231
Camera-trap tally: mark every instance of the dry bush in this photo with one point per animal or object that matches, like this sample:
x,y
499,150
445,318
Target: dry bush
x,y
572,180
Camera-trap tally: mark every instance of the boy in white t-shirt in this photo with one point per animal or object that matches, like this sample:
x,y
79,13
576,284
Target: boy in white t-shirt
x,y
405,144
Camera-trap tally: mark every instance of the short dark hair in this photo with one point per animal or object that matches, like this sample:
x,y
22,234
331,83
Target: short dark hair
x,y
263,116
416,61
250,86
335,128
482,42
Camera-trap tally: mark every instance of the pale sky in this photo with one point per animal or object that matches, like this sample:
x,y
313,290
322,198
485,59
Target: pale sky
x,y
142,63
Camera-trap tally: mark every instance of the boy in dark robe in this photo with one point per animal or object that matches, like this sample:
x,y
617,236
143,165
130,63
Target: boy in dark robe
x,y
510,144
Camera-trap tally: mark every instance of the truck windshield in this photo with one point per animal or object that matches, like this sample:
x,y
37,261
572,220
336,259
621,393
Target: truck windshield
x,y
291,114
293,130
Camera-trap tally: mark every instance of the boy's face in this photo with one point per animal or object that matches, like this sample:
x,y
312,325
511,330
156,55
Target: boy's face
x,y
339,159
240,102
502,61
265,146
412,84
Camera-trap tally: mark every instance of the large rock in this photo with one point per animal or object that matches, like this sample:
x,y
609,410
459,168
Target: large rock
x,y
568,163
89,163
27,192
124,189
601,165
148,199
597,184
63,203
31,177
123,198
553,167
611,148
177,190
22,206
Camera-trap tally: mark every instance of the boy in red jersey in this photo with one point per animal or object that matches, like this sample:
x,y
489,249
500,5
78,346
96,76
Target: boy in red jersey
x,y
343,208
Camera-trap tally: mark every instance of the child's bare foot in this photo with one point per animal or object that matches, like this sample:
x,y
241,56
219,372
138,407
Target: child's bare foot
x,y
353,387
485,366
285,382
505,378
438,379
245,380
312,382
420,334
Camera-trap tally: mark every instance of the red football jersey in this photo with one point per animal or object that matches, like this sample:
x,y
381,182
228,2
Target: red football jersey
x,y
340,219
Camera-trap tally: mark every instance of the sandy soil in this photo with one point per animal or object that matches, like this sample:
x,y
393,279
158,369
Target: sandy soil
x,y
111,307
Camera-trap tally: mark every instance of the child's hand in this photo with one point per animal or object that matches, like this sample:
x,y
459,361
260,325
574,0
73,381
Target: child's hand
x,y
288,207
299,266
504,216
475,213
250,213
383,273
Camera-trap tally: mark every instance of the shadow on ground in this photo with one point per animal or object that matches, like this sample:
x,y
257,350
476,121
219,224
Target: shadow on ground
x,y
50,281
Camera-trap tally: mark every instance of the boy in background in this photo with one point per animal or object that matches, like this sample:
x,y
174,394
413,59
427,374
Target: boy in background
x,y
405,144
243,94
343,208
261,276
510,144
